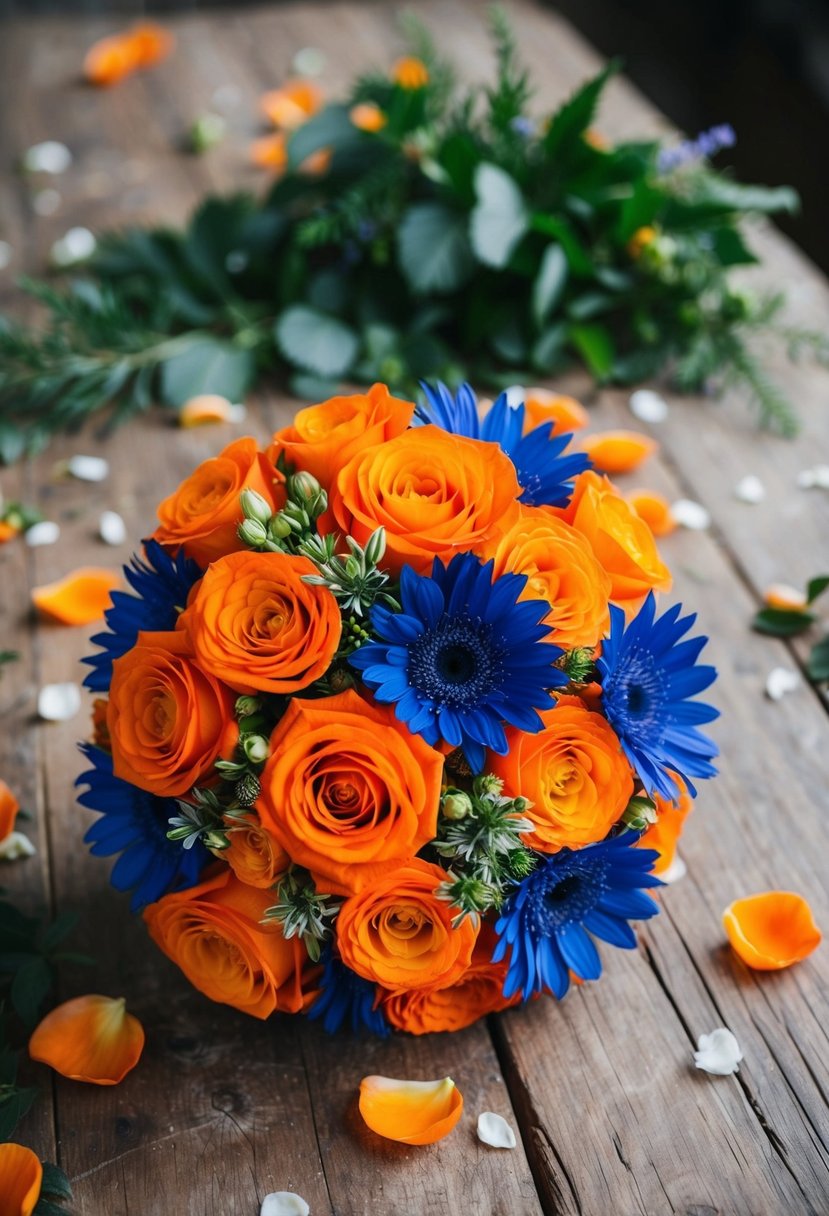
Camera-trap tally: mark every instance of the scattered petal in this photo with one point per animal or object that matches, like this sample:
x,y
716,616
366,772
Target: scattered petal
x,y
111,528
648,406
47,157
284,1203
88,468
5,254
565,413
74,246
78,599
785,598
780,681
413,1112
618,451
46,202
15,846
310,61
44,533
8,531
750,489
58,702
111,59
270,152
495,1131
9,806
206,408
91,1038
771,930
21,1177
675,871
654,509
718,1053
814,478
292,105
690,514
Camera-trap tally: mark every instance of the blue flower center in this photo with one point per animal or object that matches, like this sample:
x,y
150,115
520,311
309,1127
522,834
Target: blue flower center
x,y
564,891
457,663
635,697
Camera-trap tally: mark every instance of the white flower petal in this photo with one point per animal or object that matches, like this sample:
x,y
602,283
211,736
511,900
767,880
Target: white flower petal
x,y
675,871
495,1131
648,406
284,1203
310,61
780,681
516,394
5,254
76,245
16,845
58,702
814,478
111,528
690,514
47,157
88,468
750,489
44,533
238,412
718,1053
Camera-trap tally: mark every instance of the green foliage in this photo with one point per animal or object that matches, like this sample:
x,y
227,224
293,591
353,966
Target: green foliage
x,y
469,238
789,622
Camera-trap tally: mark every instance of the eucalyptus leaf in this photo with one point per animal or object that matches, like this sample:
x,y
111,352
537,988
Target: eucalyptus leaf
x,y
55,1183
29,988
595,345
316,342
781,623
549,285
433,249
207,365
499,219
816,586
818,664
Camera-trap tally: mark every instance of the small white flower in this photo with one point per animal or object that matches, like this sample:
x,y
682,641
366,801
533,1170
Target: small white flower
x,y
76,245
310,61
16,845
44,533
46,202
718,1053
780,681
648,406
58,702
675,871
750,489
690,514
48,157
111,528
495,1131
284,1203
814,478
5,254
88,468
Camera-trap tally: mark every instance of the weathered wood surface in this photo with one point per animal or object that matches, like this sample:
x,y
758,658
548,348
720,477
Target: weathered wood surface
x,y
612,1116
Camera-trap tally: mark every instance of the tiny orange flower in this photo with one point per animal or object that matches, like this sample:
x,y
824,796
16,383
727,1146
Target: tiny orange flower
x,y
565,413
111,59
771,930
596,140
618,451
292,105
317,163
413,1112
654,509
270,152
410,73
7,531
78,599
204,409
785,598
640,240
9,806
368,117
91,1038
21,1177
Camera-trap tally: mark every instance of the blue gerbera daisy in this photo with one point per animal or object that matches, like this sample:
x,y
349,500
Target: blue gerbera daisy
x,y
544,469
134,823
647,678
462,656
545,925
161,584
346,998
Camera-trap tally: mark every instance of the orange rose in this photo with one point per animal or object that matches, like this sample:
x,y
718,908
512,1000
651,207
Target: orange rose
x,y
573,772
254,856
348,791
398,933
621,541
478,991
433,492
204,512
9,806
256,625
323,438
168,720
670,820
100,731
561,569
213,932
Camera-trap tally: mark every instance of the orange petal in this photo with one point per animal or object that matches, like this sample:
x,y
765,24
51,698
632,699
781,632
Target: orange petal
x,y
410,73
367,116
208,407
785,598
7,531
270,152
91,1038
150,43
618,451
414,1112
9,806
78,599
670,820
654,509
21,1175
317,163
771,930
292,105
111,59
565,413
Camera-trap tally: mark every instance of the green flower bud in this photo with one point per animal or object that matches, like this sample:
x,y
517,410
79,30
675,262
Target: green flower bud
x,y
279,527
246,706
256,748
340,680
254,506
639,813
375,547
456,804
303,487
252,533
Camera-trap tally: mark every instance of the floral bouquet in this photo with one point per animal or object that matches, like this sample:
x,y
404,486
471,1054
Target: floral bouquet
x,y
391,715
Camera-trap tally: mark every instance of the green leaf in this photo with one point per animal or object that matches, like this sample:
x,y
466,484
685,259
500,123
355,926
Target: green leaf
x,y
816,586
207,365
713,188
316,342
331,128
60,928
29,988
731,249
499,218
55,1182
578,259
595,345
550,282
433,248
575,116
547,352
13,1108
818,663
639,210
781,623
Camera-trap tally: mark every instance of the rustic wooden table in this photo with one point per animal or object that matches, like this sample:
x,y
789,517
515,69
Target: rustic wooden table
x,y
612,1117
